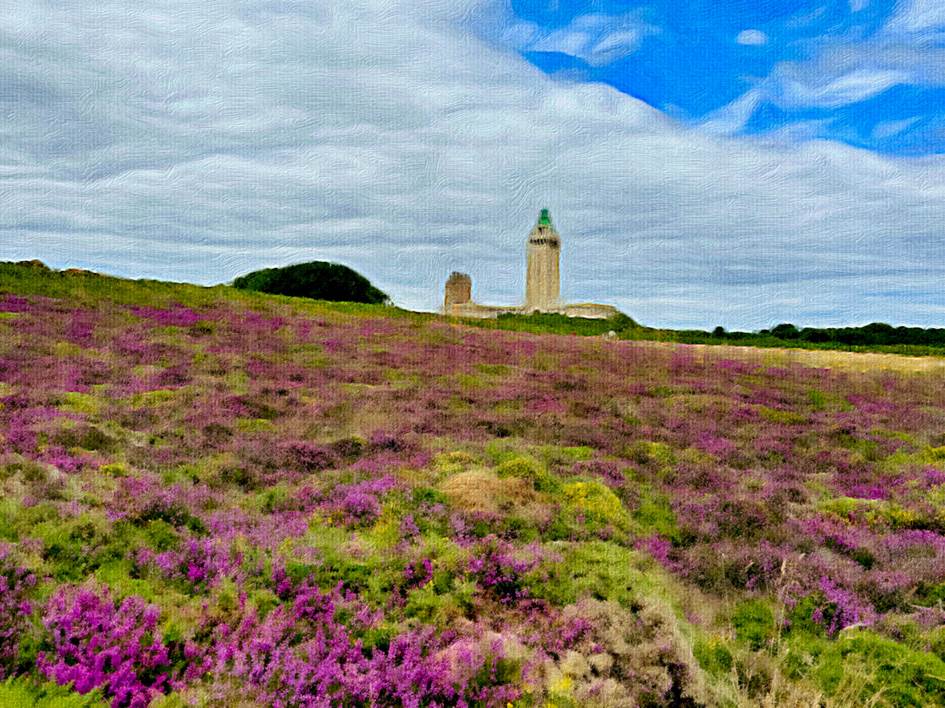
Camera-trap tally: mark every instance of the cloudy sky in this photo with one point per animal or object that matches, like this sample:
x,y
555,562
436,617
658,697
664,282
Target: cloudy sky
x,y
738,163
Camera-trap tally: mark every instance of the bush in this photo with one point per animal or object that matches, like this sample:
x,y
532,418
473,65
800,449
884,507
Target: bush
x,y
16,585
880,667
96,645
22,691
596,569
529,470
754,623
597,504
317,280
613,643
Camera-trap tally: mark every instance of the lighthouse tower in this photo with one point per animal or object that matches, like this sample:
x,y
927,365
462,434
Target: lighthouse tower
x,y
542,277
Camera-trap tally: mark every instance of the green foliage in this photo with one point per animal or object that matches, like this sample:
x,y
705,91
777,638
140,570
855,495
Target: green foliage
x,y
75,402
601,570
896,673
453,462
597,504
78,545
117,574
929,595
875,512
753,621
9,509
528,469
775,415
317,280
87,437
24,692
656,454
818,399
272,498
566,456
441,600
550,323
713,655
114,469
654,514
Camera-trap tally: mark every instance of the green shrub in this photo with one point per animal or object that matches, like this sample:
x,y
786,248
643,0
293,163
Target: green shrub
x,y
528,469
317,280
596,503
654,514
874,665
753,621
775,415
21,692
713,655
77,546
441,602
647,452
598,569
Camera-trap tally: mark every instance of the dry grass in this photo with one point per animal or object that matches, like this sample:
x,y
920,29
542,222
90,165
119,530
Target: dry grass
x,y
483,492
818,358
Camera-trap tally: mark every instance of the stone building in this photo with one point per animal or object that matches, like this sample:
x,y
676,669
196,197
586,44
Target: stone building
x,y
542,271
542,283
458,290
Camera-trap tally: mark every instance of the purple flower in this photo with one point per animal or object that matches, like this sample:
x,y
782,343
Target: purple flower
x,y
175,316
16,583
97,645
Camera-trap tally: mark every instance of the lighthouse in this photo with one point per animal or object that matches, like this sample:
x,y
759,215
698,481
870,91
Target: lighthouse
x,y
543,277
542,284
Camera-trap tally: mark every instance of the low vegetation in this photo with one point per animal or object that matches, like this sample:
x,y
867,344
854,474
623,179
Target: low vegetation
x,y
216,497
876,337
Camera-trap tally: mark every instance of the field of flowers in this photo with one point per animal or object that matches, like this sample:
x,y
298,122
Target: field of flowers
x,y
211,497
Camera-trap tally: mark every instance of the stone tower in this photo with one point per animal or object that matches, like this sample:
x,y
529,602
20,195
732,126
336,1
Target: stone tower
x,y
542,277
458,291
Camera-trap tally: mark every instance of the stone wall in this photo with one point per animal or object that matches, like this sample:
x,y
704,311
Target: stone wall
x,y
589,310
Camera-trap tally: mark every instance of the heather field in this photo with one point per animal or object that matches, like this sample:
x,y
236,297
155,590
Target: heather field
x,y
216,498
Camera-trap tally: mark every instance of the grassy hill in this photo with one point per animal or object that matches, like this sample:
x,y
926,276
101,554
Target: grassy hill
x,y
877,337
216,497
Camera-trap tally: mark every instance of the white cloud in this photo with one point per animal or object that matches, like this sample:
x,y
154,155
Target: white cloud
x,y
207,139
752,37
918,16
733,117
799,85
843,69
888,128
596,39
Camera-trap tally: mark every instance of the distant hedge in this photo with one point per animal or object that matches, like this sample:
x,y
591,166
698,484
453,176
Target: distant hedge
x,y
877,333
318,280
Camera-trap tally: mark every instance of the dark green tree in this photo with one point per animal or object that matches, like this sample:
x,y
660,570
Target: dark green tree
x,y
318,280
785,330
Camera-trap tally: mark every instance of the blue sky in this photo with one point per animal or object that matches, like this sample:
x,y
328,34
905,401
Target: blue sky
x,y
869,73
736,164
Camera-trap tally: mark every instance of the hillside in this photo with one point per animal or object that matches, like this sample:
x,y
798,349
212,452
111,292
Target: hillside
x,y
876,337
216,497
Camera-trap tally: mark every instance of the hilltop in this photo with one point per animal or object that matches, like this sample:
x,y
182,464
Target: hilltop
x,y
253,498
318,280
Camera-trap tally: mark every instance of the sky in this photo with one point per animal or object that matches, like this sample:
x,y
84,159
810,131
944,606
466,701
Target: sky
x,y
737,163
